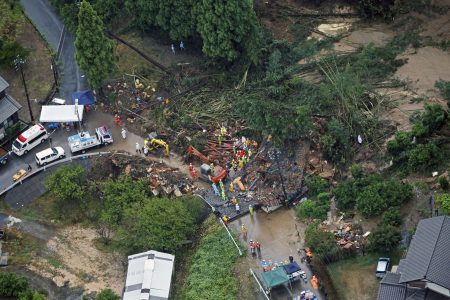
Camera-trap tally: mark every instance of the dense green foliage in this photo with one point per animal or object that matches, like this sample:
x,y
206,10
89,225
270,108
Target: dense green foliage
x,y
174,16
315,208
392,217
321,242
316,185
126,214
227,27
107,294
9,50
444,202
12,285
94,51
68,183
160,224
412,149
371,194
384,239
211,273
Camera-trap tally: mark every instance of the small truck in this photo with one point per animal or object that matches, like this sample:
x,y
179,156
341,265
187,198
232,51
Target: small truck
x,y
84,140
4,156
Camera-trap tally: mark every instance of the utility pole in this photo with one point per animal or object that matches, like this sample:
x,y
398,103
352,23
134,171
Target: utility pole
x,y
18,64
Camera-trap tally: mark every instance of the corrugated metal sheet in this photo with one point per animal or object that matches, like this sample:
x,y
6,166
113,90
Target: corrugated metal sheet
x,y
8,107
439,268
3,84
421,249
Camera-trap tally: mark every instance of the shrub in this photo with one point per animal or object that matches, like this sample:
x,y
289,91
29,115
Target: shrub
x,y
316,185
384,239
444,202
401,143
346,194
311,209
370,203
320,241
68,183
443,182
430,120
9,50
107,294
161,224
392,217
12,285
424,156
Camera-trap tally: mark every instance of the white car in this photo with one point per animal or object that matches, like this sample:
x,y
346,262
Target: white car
x,y
48,155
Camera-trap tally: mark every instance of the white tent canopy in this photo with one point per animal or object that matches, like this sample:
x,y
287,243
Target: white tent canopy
x,y
61,113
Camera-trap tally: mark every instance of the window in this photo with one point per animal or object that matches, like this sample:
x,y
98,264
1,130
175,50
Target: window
x,y
37,137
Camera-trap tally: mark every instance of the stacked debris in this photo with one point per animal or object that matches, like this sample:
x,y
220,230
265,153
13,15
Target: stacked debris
x,y
348,235
163,180
275,175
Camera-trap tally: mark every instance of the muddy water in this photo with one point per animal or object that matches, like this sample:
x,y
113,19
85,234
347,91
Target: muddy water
x,y
280,235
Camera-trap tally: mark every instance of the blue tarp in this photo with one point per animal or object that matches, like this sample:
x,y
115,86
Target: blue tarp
x,y
291,268
84,97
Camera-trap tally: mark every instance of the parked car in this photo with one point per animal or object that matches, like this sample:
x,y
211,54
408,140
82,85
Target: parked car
x,y
20,174
48,155
382,266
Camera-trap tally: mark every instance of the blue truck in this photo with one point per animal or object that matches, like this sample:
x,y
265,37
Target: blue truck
x,y
4,156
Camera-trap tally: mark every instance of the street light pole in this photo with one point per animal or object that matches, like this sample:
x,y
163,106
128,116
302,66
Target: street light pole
x,y
18,63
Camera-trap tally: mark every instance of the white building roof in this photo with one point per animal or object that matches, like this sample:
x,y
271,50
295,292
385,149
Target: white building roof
x,y
61,113
149,276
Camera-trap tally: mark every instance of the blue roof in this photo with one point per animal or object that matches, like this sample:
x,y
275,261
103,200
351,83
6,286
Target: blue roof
x,y
291,268
84,97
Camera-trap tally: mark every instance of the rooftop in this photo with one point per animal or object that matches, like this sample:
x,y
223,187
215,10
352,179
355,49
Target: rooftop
x,y
149,276
8,107
3,84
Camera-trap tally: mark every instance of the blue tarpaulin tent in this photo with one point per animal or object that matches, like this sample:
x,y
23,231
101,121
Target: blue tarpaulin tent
x,y
84,97
291,268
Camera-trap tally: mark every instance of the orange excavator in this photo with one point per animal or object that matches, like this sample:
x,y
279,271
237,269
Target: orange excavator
x,y
219,173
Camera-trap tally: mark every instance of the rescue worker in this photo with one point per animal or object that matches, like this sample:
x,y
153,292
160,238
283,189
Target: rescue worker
x,y
244,231
145,151
124,133
173,48
231,189
250,209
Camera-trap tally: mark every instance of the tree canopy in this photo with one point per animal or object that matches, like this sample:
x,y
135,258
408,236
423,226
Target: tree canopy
x,y
162,224
68,183
94,51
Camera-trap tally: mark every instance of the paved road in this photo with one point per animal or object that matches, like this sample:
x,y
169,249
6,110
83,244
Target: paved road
x,y
62,41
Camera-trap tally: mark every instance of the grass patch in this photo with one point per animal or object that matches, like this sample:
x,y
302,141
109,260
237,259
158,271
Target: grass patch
x,y
22,248
40,210
354,278
211,273
54,262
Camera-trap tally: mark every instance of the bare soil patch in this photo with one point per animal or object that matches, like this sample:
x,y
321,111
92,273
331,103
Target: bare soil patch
x,y
71,258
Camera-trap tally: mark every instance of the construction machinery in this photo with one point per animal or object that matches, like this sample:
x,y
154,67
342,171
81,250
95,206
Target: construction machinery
x,y
153,143
206,173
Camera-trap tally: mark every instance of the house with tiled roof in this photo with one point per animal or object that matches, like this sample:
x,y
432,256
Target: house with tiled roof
x,y
424,274
8,109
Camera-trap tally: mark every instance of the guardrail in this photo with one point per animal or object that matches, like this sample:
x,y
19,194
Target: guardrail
x,y
44,168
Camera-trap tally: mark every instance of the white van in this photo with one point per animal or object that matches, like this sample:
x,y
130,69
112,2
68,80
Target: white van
x,y
29,139
48,155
